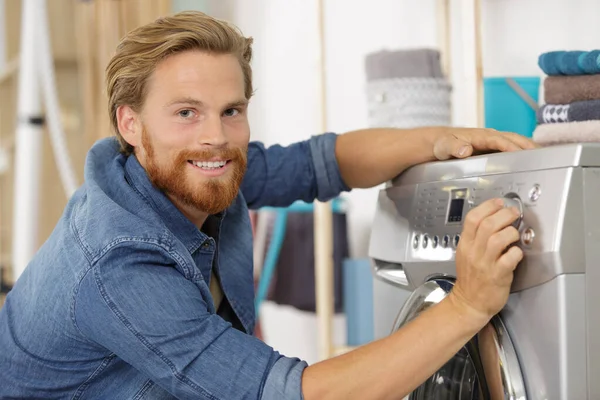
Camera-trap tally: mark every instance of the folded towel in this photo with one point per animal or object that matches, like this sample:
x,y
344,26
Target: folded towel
x,y
568,132
409,102
577,111
568,89
415,63
570,62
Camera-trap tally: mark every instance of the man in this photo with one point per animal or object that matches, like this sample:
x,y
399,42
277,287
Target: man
x,y
144,290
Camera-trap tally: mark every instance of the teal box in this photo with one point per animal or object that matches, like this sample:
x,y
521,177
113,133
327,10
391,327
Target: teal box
x,y
358,300
506,109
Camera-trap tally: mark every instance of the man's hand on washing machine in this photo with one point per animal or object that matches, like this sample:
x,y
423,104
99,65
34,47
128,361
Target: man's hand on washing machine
x,y
369,157
465,142
485,259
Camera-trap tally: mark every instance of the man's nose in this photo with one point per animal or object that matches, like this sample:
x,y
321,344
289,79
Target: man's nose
x,y
213,132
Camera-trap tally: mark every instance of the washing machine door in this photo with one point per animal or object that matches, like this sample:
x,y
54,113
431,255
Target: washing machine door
x,y
486,368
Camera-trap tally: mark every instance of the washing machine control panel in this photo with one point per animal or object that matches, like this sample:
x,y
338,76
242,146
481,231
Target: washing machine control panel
x,y
439,209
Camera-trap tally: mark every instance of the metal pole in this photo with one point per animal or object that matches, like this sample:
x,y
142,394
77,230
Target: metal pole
x,y
28,151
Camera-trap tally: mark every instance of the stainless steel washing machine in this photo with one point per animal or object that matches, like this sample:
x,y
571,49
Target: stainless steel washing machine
x,y
545,344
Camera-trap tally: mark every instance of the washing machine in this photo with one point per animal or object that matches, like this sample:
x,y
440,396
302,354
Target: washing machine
x,y
545,343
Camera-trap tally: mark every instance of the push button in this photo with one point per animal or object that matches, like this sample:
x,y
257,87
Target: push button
x,y
456,240
528,236
446,241
535,192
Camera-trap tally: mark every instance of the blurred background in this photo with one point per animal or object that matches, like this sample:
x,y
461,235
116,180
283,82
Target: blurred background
x,y
287,107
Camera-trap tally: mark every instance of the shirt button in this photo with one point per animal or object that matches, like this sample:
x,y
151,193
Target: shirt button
x,y
206,245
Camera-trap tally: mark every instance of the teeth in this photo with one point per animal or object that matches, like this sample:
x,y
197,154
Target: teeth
x,y
209,164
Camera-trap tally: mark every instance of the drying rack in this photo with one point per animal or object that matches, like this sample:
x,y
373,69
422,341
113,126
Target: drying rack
x,y
323,233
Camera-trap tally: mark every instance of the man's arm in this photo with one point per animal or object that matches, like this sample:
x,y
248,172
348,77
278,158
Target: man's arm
x,y
370,157
394,366
143,310
139,307
326,165
277,176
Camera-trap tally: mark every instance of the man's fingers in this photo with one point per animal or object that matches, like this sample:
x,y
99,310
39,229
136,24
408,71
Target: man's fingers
x,y
521,141
450,146
490,226
511,258
491,141
499,242
475,216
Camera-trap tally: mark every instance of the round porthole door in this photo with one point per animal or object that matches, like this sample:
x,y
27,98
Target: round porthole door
x,y
486,368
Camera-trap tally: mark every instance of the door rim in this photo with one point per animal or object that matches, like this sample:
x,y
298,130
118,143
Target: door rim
x,y
499,372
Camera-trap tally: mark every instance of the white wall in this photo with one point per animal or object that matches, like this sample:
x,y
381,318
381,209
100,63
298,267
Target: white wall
x,y
285,109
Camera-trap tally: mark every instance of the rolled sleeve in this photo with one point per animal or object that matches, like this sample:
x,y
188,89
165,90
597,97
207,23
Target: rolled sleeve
x,y
278,176
327,172
285,380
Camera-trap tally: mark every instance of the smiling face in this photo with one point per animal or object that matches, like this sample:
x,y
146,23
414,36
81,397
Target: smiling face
x,y
192,133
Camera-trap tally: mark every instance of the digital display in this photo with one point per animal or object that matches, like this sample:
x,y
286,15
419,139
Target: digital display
x,y
456,210
457,203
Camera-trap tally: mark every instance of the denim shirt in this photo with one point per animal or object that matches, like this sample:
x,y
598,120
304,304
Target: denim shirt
x,y
116,303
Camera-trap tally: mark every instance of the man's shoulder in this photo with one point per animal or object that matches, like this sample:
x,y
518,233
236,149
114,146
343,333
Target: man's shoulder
x,y
101,223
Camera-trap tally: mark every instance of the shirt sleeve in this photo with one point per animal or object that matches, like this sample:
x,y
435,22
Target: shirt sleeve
x,y
277,176
141,308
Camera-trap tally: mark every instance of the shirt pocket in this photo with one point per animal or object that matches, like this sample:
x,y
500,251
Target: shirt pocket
x,y
151,391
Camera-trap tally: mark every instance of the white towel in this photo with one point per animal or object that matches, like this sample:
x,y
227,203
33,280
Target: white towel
x,y
567,132
409,102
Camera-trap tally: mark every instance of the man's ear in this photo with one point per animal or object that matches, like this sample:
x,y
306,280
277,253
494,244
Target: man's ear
x,y
128,122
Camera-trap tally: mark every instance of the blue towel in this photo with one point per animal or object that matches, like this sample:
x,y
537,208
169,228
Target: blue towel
x,y
575,62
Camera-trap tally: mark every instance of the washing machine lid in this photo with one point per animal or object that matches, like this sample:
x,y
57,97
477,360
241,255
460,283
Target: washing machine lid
x,y
487,367
559,156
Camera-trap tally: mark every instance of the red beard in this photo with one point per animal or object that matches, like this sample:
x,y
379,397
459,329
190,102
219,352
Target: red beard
x,y
211,196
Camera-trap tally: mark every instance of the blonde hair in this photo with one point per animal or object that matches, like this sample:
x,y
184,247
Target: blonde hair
x,y
140,51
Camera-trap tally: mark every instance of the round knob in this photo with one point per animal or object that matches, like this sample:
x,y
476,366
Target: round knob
x,y
528,236
513,200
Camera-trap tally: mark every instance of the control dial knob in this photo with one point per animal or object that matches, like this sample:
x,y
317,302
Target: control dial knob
x,y
513,200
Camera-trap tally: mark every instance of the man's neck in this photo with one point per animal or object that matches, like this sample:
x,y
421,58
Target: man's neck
x,y
193,214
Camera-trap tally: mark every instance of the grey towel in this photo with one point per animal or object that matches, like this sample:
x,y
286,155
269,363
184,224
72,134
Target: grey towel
x,y
576,111
409,102
415,63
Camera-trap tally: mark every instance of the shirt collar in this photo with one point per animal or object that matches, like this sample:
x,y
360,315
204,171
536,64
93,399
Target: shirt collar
x,y
183,229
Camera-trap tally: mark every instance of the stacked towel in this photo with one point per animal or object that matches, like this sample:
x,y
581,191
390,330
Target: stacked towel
x,y
570,62
572,96
407,89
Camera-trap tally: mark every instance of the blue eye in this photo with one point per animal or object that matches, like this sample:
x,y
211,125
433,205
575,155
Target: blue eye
x,y
231,112
185,113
